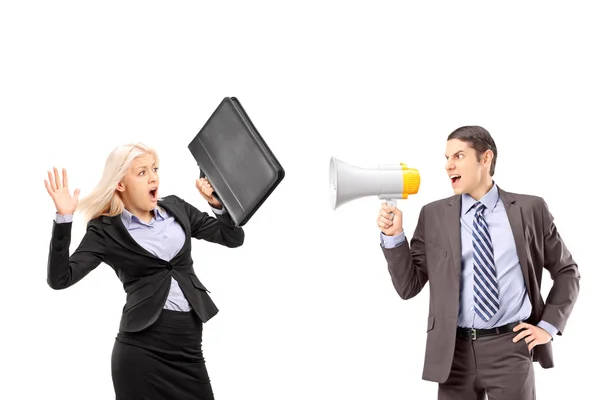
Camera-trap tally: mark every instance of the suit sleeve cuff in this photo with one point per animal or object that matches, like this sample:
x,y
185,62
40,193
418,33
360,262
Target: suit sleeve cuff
x,y
62,219
548,328
390,242
217,211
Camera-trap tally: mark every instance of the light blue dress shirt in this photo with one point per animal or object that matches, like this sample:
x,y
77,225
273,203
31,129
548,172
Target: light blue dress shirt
x,y
514,303
163,237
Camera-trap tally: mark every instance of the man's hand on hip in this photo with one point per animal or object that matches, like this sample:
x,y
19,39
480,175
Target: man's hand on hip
x,y
533,335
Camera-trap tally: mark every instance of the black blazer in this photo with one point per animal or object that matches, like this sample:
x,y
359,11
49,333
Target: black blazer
x,y
146,278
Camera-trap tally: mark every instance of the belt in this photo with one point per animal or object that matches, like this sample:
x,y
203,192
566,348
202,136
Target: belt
x,y
473,334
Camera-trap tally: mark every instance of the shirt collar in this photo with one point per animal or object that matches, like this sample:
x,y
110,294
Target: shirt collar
x,y
128,218
489,200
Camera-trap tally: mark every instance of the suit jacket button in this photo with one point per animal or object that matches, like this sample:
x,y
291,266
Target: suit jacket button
x,y
169,267
60,237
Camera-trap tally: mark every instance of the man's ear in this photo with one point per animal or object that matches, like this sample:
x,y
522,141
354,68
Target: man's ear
x,y
488,156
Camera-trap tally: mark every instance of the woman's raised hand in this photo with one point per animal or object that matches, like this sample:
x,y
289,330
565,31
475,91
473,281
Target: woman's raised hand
x,y
63,201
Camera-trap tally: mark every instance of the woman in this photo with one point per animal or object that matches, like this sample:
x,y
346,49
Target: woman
x,y
147,241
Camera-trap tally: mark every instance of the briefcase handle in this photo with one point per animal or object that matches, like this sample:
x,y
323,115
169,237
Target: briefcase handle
x,y
215,195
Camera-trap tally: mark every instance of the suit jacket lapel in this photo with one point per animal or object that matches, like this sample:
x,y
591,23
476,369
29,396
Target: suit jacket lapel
x,y
453,229
179,215
515,219
118,232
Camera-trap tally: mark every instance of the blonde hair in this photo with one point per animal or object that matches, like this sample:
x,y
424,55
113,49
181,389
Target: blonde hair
x,y
103,200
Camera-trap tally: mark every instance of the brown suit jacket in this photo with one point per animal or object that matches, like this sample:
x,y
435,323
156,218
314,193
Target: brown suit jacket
x,y
434,256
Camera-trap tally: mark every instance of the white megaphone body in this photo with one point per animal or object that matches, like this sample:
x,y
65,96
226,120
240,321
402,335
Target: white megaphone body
x,y
388,182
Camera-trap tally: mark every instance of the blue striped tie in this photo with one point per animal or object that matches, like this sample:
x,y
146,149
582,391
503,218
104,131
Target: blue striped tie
x,y
486,294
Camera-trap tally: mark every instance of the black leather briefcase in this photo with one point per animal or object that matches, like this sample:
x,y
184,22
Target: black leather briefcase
x,y
233,156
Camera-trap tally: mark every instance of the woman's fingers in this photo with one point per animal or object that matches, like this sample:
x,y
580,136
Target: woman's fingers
x,y
65,181
56,178
51,181
48,188
206,187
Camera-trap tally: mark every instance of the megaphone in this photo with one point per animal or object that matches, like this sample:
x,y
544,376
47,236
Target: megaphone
x,y
388,182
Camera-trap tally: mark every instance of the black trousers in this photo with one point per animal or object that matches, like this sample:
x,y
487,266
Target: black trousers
x,y
163,361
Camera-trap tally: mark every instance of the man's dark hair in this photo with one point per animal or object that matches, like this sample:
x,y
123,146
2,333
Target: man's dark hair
x,y
479,139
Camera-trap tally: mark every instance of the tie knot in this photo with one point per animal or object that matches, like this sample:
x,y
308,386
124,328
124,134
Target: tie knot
x,y
479,207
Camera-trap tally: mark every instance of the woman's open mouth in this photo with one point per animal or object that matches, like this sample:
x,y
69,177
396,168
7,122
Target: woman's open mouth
x,y
153,194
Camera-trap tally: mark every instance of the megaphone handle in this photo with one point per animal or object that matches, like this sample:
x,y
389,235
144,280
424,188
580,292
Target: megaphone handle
x,y
391,203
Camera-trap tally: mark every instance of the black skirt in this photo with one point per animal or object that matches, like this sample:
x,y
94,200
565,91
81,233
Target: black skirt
x,y
163,361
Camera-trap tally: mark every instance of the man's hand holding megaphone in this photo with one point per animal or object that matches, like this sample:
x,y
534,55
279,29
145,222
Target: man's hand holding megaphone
x,y
389,220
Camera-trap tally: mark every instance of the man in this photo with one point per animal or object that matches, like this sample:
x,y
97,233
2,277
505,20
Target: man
x,y
483,252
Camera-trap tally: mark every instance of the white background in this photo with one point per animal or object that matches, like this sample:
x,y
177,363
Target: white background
x,y
308,310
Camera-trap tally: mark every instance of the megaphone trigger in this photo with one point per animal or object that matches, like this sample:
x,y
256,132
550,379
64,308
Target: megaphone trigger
x,y
391,203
